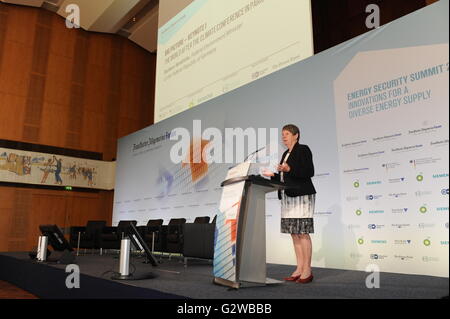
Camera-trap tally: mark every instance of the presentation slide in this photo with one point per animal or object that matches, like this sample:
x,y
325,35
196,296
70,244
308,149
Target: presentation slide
x,y
212,47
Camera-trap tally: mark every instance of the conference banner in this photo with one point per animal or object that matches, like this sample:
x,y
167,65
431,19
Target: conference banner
x,y
374,112
392,126
55,170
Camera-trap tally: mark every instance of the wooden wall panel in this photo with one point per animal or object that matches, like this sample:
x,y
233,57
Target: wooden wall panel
x,y
47,209
93,121
63,40
19,220
6,207
100,51
12,111
79,71
22,210
15,68
21,25
63,87
54,121
57,86
97,80
83,209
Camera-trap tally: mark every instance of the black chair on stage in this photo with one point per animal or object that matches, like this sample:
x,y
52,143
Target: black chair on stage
x,y
87,237
111,236
198,240
174,236
152,234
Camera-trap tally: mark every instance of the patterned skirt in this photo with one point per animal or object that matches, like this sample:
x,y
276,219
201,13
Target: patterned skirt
x,y
297,214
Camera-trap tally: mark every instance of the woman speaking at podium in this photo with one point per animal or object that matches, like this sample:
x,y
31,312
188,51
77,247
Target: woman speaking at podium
x,y
297,205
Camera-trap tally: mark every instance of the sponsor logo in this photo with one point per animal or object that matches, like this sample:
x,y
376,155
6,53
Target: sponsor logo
x,y
378,256
371,154
402,241
373,197
399,210
358,212
425,130
446,225
397,180
426,225
404,258
323,213
360,241
439,143
423,193
378,241
442,209
444,242
423,161
397,195
400,226
444,191
427,259
427,242
374,183
406,148
419,178
391,165
356,170
379,211
373,226
356,184
444,175
423,209
386,137
357,143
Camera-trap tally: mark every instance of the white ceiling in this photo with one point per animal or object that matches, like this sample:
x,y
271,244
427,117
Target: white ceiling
x,y
134,19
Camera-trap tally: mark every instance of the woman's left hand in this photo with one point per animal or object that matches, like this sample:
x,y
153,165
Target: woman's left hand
x,y
284,168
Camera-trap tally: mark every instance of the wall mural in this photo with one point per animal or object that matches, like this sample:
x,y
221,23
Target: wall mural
x,y
48,169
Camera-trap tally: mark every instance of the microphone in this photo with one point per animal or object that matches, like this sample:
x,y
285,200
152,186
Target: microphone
x,y
254,153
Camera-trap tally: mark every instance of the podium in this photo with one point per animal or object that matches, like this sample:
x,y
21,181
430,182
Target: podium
x,y
248,267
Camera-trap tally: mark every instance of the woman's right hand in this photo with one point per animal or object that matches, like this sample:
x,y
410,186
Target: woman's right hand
x,y
268,174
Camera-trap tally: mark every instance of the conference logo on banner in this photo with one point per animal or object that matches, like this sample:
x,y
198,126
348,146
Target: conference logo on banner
x,y
392,113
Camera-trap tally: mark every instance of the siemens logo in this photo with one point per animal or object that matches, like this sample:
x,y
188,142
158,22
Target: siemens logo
x,y
379,241
442,209
376,211
440,175
374,183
